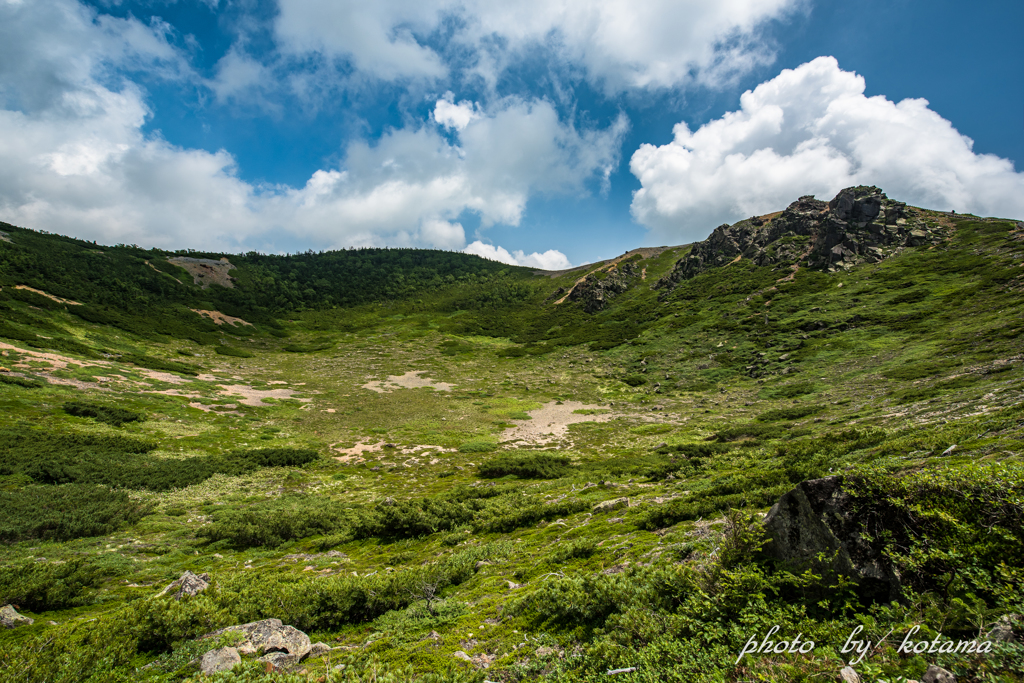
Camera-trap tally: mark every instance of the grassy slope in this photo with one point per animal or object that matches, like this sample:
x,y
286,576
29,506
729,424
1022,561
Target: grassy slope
x,y
894,363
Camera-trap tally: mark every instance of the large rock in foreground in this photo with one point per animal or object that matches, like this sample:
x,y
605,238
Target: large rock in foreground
x,y
814,527
269,635
9,618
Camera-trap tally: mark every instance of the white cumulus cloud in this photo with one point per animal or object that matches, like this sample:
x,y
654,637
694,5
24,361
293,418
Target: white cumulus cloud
x,y
619,43
454,116
811,130
552,259
75,158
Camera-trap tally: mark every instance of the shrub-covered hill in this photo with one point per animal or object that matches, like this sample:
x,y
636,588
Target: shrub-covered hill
x,y
140,289
515,476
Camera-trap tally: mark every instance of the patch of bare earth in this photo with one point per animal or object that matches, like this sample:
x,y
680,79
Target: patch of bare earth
x,y
205,271
551,422
254,397
55,360
225,408
220,318
410,380
165,377
354,455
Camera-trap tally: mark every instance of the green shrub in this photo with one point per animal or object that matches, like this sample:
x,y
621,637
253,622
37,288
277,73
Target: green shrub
x,y
109,414
794,413
478,445
151,363
309,348
23,382
635,380
751,431
530,466
50,457
44,586
232,351
787,390
60,513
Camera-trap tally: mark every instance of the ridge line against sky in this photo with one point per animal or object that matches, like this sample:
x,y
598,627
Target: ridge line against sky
x,y
540,133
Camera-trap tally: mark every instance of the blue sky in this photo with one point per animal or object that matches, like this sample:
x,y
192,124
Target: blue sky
x,y
538,132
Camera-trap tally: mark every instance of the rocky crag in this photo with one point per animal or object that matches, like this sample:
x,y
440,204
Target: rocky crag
x,y
860,225
599,287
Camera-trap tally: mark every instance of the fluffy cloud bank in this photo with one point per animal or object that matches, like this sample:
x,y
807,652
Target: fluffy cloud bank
x,y
74,157
551,259
619,43
811,130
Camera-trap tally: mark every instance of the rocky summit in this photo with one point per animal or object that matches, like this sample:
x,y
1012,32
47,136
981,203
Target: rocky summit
x,y
860,225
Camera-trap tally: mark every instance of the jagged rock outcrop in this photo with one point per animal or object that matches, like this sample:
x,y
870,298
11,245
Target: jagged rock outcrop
x,y
814,526
598,288
9,618
860,225
189,584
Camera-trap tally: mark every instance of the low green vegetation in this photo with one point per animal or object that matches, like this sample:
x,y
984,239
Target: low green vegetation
x,y
425,462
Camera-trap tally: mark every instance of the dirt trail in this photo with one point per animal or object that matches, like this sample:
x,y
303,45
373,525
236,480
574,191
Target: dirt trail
x,y
49,296
551,422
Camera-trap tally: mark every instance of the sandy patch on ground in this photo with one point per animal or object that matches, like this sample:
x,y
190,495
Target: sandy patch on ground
x,y
220,318
354,455
254,397
4,237
54,359
410,380
205,271
76,383
551,422
165,377
48,296
175,392
226,408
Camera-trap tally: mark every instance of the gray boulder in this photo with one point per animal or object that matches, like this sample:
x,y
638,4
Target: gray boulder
x,y
609,505
814,527
221,659
1002,632
936,674
848,675
318,650
280,661
188,585
269,635
9,618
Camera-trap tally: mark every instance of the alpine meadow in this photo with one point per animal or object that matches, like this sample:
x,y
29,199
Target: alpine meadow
x,y
789,452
